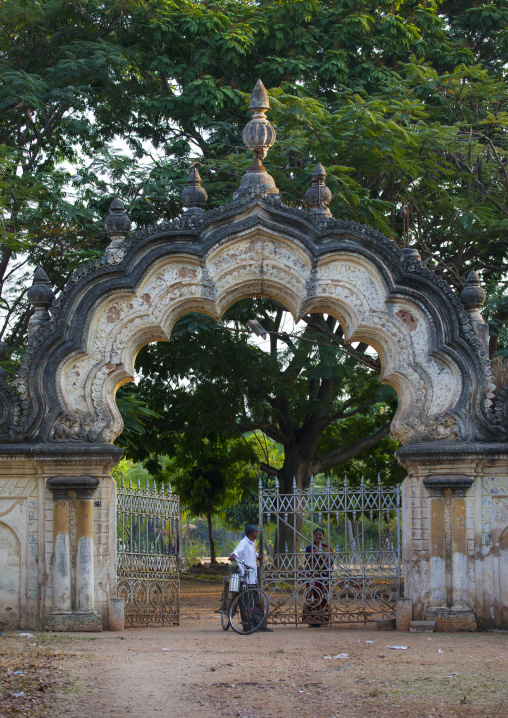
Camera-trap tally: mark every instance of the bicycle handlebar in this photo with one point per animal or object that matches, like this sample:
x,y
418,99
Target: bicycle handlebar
x,y
245,565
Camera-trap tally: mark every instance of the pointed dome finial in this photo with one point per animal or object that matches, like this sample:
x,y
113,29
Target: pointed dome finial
x,y
118,226
258,135
473,295
259,97
473,298
194,196
117,222
319,171
41,297
318,196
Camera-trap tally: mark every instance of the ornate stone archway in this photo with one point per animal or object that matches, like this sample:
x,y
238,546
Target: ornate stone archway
x,y
59,423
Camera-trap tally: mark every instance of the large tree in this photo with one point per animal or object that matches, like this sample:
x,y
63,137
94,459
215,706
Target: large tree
x,y
304,389
404,102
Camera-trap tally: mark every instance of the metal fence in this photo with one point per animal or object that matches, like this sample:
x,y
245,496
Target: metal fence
x,y
148,551
353,574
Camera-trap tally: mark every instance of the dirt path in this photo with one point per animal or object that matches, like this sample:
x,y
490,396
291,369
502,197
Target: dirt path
x,y
208,672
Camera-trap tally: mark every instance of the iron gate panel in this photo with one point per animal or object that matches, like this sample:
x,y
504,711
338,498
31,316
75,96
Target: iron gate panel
x,y
148,552
357,578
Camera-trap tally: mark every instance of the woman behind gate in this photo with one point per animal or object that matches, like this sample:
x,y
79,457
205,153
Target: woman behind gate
x,y
319,562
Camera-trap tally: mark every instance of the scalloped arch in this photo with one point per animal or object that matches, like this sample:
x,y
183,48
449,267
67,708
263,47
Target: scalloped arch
x,y
110,309
348,286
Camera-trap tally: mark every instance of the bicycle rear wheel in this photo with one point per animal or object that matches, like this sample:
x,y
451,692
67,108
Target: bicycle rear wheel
x,y
225,603
248,611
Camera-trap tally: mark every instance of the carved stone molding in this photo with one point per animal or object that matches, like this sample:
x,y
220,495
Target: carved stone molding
x,y
83,486
254,247
436,485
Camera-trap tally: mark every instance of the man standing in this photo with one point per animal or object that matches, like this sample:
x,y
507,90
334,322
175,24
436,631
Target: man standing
x,y
246,551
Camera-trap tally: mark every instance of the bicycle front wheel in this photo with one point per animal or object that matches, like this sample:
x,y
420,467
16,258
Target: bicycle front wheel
x,y
225,603
248,611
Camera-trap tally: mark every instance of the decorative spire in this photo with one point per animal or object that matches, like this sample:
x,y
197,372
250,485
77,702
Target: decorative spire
x,y
117,226
258,135
318,196
117,222
41,297
473,298
194,196
411,253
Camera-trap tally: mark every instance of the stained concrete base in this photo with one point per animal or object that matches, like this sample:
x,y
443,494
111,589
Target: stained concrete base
x,y
448,620
117,614
422,626
74,621
404,613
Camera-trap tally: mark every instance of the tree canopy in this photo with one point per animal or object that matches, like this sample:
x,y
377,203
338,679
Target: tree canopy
x,y
318,399
405,103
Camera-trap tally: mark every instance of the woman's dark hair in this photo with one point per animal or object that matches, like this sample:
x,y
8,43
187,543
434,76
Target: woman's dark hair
x,y
318,529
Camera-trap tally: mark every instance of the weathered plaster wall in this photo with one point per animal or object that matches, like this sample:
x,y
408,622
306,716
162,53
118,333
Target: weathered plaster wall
x,y
493,542
10,578
481,582
26,513
20,514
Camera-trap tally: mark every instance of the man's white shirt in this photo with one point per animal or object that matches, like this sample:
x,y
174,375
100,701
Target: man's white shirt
x,y
246,551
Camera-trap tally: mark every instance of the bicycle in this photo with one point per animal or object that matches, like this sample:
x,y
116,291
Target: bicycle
x,y
244,609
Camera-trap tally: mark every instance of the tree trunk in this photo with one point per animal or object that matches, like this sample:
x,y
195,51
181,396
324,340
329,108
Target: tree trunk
x,y
296,468
213,557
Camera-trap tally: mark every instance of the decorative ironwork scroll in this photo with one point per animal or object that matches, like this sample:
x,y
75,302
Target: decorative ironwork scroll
x,y
148,552
352,574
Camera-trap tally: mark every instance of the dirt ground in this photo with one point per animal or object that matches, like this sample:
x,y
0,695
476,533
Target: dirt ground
x,y
208,672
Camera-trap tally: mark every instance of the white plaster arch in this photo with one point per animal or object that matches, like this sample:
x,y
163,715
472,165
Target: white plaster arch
x,y
258,262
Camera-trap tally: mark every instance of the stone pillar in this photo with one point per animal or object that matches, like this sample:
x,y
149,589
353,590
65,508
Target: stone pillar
x,y
445,589
449,598
77,614
437,551
61,547
84,542
459,597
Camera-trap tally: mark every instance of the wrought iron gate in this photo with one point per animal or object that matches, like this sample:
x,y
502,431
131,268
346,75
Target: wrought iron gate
x,y
148,552
353,575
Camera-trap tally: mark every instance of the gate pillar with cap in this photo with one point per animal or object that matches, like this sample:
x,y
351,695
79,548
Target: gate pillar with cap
x,y
451,504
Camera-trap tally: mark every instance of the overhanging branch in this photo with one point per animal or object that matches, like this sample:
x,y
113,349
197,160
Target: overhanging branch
x,y
341,456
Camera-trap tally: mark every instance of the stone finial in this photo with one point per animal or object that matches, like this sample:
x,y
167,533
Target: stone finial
x,y
318,196
41,297
258,135
411,253
117,222
194,196
117,226
259,98
473,298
